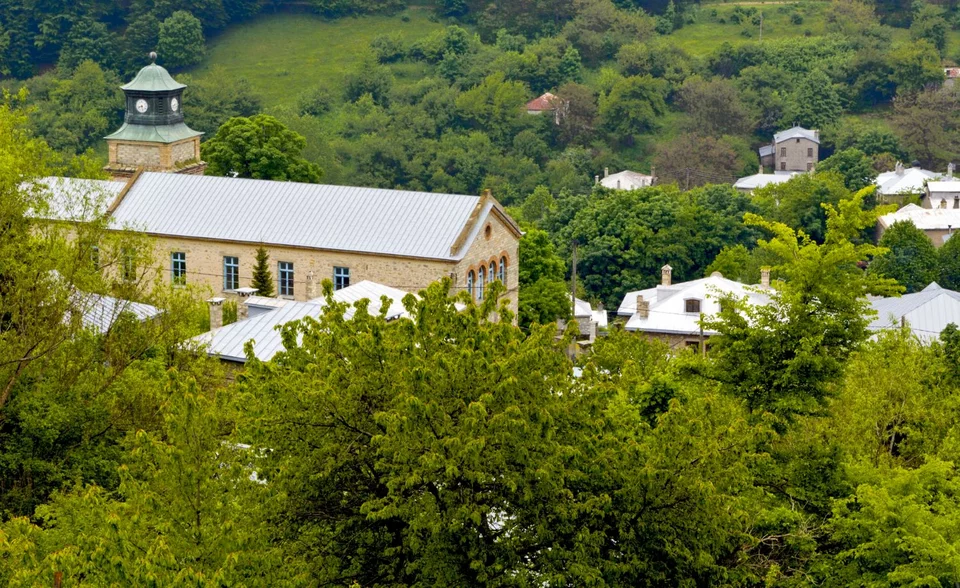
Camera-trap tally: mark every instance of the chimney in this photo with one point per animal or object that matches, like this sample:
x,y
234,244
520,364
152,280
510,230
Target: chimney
x,y
666,272
643,307
653,175
596,179
311,285
618,184
765,277
898,169
950,169
606,171
761,169
216,312
243,311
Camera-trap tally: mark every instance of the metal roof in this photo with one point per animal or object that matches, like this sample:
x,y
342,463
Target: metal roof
x,y
153,78
626,180
369,220
228,341
75,199
905,181
99,312
760,180
668,309
766,150
926,313
925,219
944,186
797,132
154,133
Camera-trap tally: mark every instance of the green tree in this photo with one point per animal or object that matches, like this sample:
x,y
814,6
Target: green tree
x,y
815,102
717,163
911,258
180,40
950,264
496,106
853,165
88,40
914,66
715,107
262,277
141,37
799,203
371,78
544,295
259,147
927,122
930,25
633,106
217,97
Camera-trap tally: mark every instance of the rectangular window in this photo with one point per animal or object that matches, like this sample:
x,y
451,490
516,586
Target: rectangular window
x,y
341,277
178,268
128,271
783,152
783,165
809,167
692,305
285,278
809,151
231,273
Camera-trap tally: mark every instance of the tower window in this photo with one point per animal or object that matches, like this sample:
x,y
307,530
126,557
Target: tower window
x,y
178,268
285,278
231,273
341,278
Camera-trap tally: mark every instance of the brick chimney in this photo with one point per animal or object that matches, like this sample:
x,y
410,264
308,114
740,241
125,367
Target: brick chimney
x,y
311,285
216,312
643,307
666,274
765,277
243,311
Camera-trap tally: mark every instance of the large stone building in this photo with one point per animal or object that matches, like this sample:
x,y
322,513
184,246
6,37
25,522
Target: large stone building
x,y
206,229
154,135
796,149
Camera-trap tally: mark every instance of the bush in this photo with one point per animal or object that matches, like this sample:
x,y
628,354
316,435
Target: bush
x,y
388,48
796,18
315,102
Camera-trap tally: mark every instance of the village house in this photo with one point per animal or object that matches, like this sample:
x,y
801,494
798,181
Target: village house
x,y
748,184
625,180
796,149
942,193
673,313
206,230
896,185
937,223
925,313
547,102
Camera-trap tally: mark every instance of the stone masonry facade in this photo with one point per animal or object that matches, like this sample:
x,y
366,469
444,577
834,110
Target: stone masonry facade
x,y
796,154
125,157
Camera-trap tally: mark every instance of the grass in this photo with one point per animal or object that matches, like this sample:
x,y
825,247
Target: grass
x,y
283,55
708,32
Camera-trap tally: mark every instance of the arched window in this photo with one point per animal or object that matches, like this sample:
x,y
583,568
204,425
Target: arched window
x,y
470,281
493,272
503,270
481,278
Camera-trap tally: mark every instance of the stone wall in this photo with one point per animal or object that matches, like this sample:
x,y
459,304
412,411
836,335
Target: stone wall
x,y
797,158
494,241
184,151
135,155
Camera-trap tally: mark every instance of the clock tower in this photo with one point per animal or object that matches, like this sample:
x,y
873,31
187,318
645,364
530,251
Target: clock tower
x,y
154,136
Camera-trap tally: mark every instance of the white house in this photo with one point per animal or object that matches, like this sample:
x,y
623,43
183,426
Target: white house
x,y
673,312
943,193
750,183
903,181
925,313
937,223
626,180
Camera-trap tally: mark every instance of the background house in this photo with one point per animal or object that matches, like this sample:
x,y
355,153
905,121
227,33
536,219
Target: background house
x,y
925,313
938,223
625,180
893,186
796,149
750,183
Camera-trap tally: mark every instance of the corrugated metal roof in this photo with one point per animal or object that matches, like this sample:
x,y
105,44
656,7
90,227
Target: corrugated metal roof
x,y
154,133
153,78
796,133
906,181
99,312
944,186
370,220
766,150
926,313
228,341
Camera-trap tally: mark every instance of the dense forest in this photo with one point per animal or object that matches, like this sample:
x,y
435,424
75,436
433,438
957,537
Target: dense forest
x,y
448,449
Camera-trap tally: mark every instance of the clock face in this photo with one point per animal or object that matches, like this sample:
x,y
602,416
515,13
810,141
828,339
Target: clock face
x,y
141,106
174,104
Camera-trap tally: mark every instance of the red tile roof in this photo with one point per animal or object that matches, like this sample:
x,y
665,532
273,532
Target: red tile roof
x,y
545,102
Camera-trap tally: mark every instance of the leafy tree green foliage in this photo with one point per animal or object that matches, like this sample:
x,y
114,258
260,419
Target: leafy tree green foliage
x,y
871,140
658,58
851,17
715,107
814,103
915,66
369,78
930,25
633,106
950,265
335,8
180,40
927,122
141,37
625,237
262,276
785,358
88,40
599,29
544,296
578,121
216,98
742,264
799,203
853,165
259,147
911,258
716,162
186,510
496,106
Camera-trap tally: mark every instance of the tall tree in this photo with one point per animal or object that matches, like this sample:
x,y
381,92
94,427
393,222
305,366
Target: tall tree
x,y
815,102
930,25
180,40
928,124
911,258
262,276
715,107
544,294
633,106
259,147
853,165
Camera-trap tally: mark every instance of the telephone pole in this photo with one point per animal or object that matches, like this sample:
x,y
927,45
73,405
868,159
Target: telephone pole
x,y
573,280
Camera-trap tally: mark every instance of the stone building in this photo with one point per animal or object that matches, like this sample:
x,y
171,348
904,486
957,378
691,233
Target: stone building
x,y
154,135
796,149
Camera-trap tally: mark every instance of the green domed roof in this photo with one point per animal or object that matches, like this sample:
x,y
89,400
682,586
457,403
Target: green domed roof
x,y
153,78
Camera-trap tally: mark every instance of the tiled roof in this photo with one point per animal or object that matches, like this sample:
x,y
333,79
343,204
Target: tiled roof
x,y
546,101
